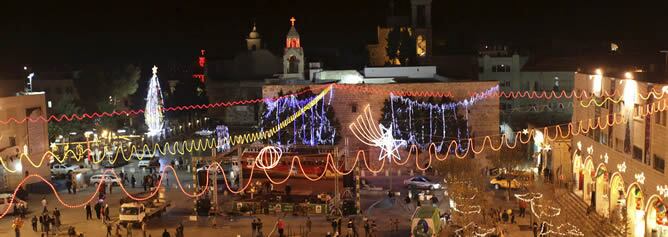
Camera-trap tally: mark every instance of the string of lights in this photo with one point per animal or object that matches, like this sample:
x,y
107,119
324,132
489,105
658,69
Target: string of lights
x,y
94,115
356,88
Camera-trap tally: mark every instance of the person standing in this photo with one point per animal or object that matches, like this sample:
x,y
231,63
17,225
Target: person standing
x,y
281,226
308,225
56,215
259,227
108,229
128,229
523,207
106,212
133,180
34,223
143,228
89,212
338,225
98,208
165,233
44,203
17,224
253,228
334,223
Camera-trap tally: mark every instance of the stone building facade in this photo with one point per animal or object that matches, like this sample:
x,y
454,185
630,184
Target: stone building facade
x,y
349,102
620,169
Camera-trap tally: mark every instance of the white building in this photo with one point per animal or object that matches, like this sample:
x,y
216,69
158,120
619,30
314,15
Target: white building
x,y
517,73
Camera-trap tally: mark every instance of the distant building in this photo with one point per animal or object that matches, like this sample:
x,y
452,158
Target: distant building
x,y
239,78
29,138
516,73
419,27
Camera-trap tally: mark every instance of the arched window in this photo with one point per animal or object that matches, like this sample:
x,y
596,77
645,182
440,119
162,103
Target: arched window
x,y
293,64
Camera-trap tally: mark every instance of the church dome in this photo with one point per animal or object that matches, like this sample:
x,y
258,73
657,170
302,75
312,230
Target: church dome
x,y
254,34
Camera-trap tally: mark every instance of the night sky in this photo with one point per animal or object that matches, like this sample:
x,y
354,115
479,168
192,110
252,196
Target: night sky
x,y
54,32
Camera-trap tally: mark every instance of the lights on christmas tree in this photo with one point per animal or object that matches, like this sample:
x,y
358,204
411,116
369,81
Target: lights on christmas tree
x,y
153,113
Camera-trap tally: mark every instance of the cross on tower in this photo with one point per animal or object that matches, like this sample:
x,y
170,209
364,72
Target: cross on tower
x,y
292,21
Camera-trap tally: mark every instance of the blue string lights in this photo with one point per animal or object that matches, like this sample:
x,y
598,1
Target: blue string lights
x,y
318,128
424,122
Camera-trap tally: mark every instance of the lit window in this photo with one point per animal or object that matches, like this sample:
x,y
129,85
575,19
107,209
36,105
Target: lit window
x,y
48,104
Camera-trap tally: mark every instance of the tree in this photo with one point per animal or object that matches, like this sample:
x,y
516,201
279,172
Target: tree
x,y
66,105
107,88
401,46
317,126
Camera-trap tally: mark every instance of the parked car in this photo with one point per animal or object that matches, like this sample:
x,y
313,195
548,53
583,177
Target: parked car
x,y
505,181
422,182
6,198
108,179
62,169
148,163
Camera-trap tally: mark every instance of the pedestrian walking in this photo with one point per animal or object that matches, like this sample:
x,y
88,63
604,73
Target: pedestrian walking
x,y
47,224
308,224
281,226
512,218
179,230
133,181
523,207
34,223
89,212
108,229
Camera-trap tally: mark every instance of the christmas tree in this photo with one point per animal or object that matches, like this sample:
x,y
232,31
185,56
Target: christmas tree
x,y
154,104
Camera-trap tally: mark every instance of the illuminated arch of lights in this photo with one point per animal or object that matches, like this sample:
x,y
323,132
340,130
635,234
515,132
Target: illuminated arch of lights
x,y
295,161
365,122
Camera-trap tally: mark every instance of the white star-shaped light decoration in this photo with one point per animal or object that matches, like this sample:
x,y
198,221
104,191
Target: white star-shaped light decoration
x,y
605,158
640,177
663,190
388,145
622,167
579,145
547,147
155,69
525,131
590,149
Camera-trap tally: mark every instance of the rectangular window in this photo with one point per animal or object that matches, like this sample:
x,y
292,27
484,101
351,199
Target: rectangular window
x,y
12,141
660,118
637,153
659,164
637,111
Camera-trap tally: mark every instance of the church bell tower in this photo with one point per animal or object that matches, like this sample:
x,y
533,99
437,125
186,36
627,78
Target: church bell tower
x,y
293,55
